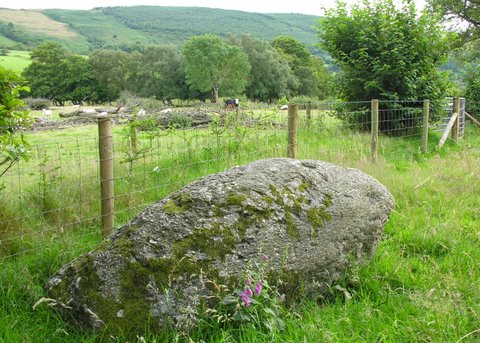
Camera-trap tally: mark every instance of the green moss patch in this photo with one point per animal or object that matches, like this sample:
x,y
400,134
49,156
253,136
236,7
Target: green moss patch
x,y
178,203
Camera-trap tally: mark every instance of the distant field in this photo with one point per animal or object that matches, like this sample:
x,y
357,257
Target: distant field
x,y
16,60
6,42
37,23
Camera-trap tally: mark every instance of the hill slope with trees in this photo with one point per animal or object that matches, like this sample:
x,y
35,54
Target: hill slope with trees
x,y
130,28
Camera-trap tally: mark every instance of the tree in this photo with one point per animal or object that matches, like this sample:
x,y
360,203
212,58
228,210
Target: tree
x,y
464,10
270,77
309,70
386,52
162,73
78,83
115,71
13,146
212,65
44,73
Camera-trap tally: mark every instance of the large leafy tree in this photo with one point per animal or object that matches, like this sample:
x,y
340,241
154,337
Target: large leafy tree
x,y
44,74
162,73
213,65
270,77
60,76
78,84
12,143
309,70
115,71
386,51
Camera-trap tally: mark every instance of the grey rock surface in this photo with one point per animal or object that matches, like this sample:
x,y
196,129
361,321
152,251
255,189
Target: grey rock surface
x,y
313,219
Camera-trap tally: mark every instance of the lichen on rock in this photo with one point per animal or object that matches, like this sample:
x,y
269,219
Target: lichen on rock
x,y
160,267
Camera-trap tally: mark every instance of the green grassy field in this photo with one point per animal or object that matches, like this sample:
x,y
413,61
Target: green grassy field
x,y
16,60
421,286
6,42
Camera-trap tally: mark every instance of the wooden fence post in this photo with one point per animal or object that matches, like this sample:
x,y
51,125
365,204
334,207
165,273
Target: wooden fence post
x,y
105,147
309,112
374,130
456,124
292,130
426,114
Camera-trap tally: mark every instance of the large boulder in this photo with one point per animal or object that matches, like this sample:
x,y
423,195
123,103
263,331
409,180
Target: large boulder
x,y
313,220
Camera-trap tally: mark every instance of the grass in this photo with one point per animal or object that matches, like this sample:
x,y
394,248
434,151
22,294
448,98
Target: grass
x,y
16,60
6,42
421,286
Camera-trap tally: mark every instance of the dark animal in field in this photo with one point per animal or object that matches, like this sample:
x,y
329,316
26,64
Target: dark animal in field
x,y
230,104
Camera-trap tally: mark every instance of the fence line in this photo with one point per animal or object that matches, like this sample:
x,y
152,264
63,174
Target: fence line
x,y
55,196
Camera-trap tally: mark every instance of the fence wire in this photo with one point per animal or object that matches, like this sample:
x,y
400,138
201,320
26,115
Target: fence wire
x,y
54,197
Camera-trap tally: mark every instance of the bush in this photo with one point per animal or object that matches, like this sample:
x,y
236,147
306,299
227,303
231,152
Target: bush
x,y
283,101
387,52
180,121
132,101
37,103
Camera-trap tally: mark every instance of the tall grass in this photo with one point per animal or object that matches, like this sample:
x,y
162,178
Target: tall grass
x,y
421,286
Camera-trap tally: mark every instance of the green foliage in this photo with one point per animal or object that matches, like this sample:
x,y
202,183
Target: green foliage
x,y
13,145
177,24
36,103
161,73
309,71
254,303
270,77
115,71
283,101
212,65
78,82
472,88
466,11
57,75
386,52
44,73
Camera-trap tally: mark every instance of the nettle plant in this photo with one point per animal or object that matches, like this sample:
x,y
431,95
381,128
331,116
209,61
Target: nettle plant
x,y
254,302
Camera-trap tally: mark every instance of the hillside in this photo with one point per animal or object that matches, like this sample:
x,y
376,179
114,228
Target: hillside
x,y
122,27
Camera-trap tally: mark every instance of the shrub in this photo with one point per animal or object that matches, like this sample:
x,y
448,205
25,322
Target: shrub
x,y
37,103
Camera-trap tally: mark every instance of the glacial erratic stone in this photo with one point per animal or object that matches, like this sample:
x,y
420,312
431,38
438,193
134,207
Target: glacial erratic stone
x,y
313,219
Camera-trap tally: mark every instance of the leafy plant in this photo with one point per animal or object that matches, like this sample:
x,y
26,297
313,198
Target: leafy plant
x,y
254,302
387,52
13,145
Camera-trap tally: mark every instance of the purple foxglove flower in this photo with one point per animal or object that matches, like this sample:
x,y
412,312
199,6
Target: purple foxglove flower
x,y
265,258
246,300
249,292
258,288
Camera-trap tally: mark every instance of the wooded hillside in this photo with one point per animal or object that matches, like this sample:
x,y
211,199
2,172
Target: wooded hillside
x,y
127,27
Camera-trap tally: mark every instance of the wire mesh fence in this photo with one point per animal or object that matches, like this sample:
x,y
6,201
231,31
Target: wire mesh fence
x,y
55,198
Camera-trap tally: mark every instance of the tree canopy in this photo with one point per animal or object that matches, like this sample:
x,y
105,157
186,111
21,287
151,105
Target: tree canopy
x,y
386,51
465,10
213,65
270,77
309,71
44,73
